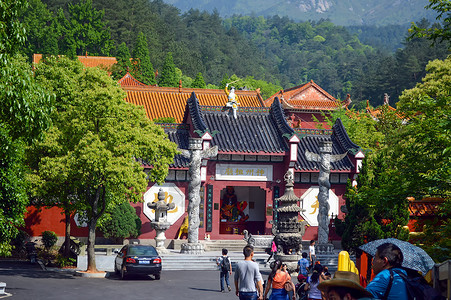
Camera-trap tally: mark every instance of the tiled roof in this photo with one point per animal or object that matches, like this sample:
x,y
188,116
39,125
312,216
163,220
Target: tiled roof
x,y
253,131
375,112
309,96
342,137
341,143
88,61
180,136
171,102
311,143
425,207
129,80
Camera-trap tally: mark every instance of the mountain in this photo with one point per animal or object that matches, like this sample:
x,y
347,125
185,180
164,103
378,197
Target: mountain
x,y
340,12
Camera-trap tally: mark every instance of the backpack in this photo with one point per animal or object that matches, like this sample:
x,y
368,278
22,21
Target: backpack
x,y
302,294
225,264
416,286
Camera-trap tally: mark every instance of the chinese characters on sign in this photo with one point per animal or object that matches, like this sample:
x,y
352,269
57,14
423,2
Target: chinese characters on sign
x,y
244,172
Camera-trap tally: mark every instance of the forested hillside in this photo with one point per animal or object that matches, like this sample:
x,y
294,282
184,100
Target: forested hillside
x,y
275,50
340,12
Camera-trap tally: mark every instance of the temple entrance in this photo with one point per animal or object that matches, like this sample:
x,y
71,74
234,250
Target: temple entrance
x,y
242,207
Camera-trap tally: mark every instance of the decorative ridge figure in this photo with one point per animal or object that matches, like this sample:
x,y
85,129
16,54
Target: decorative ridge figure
x,y
231,96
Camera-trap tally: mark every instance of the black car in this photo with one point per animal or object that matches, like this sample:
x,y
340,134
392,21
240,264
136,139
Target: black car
x,y
138,259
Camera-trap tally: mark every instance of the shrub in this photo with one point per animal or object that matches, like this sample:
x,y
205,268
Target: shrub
x,y
122,222
49,239
62,262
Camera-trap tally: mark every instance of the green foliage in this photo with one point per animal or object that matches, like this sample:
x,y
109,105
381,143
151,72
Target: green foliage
x,y
41,28
63,262
84,31
142,68
199,82
12,31
437,34
168,75
49,239
122,222
123,64
24,113
12,190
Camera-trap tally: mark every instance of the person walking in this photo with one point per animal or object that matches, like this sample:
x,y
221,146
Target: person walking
x,y
313,282
303,265
388,258
273,251
225,269
248,280
276,281
312,252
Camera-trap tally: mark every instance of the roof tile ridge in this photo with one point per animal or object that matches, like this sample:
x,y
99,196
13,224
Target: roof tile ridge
x,y
277,112
96,57
129,75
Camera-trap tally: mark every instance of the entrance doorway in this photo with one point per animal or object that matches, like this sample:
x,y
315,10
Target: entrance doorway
x,y
242,207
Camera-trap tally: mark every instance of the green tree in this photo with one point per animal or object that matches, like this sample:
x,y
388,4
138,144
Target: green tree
x,y
120,223
24,111
437,34
168,75
199,82
142,68
98,136
123,64
84,31
42,34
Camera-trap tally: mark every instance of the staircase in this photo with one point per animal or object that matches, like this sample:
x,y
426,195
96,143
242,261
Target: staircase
x,y
207,260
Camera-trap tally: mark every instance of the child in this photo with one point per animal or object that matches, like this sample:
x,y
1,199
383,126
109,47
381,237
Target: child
x,y
225,269
300,287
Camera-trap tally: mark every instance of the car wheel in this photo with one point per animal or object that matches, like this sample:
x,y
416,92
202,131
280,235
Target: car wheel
x,y
123,273
116,271
157,276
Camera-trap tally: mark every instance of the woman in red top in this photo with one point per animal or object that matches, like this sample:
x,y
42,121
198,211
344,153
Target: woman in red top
x,y
276,280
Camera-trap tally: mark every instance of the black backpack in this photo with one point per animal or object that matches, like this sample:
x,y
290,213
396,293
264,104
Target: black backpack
x,y
225,264
416,286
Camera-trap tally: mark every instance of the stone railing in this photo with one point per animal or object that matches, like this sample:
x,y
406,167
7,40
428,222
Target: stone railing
x,y
258,241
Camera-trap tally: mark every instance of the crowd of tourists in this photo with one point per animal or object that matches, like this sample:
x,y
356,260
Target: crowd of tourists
x,y
391,281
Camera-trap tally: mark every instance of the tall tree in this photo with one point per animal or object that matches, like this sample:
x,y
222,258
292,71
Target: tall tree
x,y
142,68
123,64
24,115
437,34
42,33
85,31
96,152
168,75
199,82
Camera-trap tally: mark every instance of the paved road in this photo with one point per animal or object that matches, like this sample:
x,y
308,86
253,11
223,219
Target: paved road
x,y
24,281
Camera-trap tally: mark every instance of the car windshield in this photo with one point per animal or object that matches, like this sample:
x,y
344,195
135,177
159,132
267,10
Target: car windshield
x,y
142,251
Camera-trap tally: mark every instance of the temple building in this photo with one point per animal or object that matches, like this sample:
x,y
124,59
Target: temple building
x,y
255,150
305,105
257,143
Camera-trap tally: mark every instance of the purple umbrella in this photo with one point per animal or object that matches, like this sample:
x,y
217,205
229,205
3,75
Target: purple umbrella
x,y
415,258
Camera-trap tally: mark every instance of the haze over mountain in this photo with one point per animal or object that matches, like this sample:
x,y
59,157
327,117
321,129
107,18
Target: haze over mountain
x,y
340,12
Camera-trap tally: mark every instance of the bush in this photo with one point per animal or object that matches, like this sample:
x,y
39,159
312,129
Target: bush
x,y
122,222
62,262
49,239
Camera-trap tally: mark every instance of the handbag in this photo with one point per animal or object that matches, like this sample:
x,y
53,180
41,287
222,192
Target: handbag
x,y
288,285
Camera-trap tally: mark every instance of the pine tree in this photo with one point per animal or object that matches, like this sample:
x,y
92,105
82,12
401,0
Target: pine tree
x,y
142,68
199,82
123,62
168,74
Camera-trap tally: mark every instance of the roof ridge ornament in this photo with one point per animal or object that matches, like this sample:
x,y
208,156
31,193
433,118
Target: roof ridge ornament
x,y
232,99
